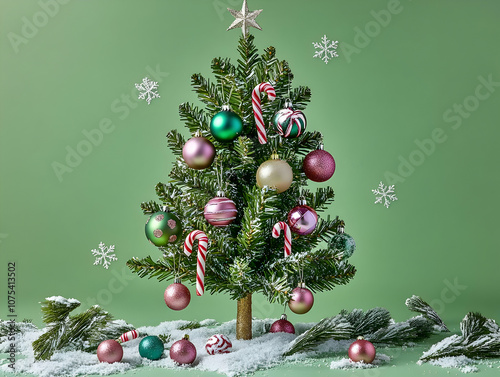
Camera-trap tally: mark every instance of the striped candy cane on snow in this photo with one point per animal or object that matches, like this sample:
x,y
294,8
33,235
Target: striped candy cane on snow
x,y
277,228
134,334
202,256
257,108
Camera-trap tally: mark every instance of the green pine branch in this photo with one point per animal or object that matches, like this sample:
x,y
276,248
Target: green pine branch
x,y
480,338
416,304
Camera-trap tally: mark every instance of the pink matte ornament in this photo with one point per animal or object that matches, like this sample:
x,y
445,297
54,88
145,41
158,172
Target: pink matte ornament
x,y
302,300
319,165
362,350
177,295
198,153
109,351
183,351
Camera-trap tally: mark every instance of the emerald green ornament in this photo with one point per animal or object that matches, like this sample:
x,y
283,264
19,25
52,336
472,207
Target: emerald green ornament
x,y
163,228
342,243
226,125
151,347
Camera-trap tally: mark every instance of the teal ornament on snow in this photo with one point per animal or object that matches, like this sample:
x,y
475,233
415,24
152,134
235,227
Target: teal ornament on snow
x,y
151,347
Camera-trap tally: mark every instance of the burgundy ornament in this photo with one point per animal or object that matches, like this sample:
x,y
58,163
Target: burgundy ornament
x,y
109,351
302,300
198,153
362,350
319,165
177,295
282,325
220,211
183,351
302,219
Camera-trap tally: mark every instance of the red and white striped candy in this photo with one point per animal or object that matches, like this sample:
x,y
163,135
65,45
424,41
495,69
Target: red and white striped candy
x,y
218,344
277,228
202,256
134,334
257,108
296,117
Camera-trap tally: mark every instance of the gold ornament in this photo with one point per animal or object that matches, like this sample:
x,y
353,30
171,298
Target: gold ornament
x,y
275,173
244,19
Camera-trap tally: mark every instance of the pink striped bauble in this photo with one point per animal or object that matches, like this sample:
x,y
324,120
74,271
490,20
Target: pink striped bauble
x,y
220,211
218,343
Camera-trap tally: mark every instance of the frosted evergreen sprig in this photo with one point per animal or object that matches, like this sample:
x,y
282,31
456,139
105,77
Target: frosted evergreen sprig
x,y
416,304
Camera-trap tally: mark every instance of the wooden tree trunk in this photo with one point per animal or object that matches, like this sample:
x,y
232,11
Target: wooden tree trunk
x,y
244,318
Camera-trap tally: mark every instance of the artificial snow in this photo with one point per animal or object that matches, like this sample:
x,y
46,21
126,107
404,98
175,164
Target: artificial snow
x,y
462,363
346,363
63,301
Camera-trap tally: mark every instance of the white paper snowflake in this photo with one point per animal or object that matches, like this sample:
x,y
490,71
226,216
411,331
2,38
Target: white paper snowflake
x,y
105,255
147,88
326,50
387,194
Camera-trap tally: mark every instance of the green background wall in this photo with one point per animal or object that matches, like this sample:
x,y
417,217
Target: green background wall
x,y
403,75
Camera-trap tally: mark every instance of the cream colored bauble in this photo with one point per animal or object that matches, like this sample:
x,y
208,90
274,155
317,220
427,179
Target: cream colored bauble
x,y
275,174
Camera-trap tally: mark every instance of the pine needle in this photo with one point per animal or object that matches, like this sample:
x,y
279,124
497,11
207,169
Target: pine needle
x,y
416,304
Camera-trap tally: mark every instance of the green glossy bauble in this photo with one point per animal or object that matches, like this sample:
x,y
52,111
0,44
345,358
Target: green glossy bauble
x,y
226,126
151,347
163,228
343,243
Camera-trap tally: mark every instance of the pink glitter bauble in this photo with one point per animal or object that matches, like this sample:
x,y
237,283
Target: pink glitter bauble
x,y
177,296
302,220
183,351
282,325
109,351
302,300
362,350
220,211
198,153
319,165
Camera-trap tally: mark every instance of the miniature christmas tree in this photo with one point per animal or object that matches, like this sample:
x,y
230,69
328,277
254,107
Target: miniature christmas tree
x,y
243,257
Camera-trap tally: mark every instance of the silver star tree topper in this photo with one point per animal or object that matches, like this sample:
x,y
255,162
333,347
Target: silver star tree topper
x,y
244,19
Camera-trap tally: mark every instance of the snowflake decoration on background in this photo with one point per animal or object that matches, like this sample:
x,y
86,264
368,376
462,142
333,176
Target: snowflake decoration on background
x,y
326,50
105,255
147,87
386,193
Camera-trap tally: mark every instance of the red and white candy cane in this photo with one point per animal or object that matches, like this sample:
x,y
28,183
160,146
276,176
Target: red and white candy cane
x,y
277,228
202,256
134,334
257,108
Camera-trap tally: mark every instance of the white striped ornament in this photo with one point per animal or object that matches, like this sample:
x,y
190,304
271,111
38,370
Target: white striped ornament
x,y
220,211
218,343
202,256
257,108
290,118
277,228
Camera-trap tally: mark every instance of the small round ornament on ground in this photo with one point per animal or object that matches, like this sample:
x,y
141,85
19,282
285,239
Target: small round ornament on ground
x,y
282,325
177,295
163,228
198,153
275,174
220,211
226,125
302,300
319,165
110,351
302,219
151,347
183,351
218,343
362,350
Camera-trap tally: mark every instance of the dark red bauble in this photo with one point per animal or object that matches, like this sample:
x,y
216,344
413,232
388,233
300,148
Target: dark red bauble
x,y
282,325
177,296
362,350
319,165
